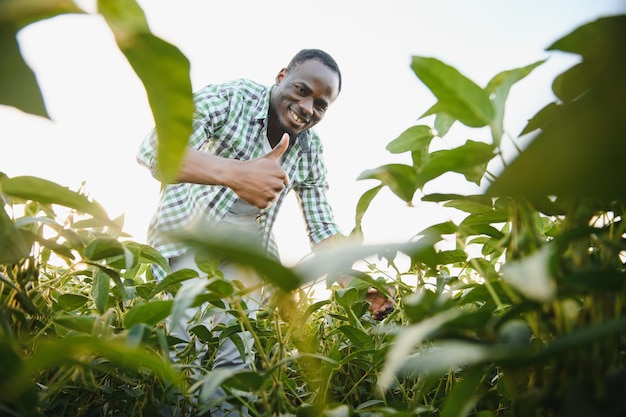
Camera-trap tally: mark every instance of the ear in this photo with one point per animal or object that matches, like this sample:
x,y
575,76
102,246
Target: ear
x,y
281,74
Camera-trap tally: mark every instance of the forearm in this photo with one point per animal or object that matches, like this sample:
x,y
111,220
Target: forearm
x,y
327,243
204,168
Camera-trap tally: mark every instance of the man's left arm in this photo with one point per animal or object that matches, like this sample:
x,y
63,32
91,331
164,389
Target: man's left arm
x,y
380,304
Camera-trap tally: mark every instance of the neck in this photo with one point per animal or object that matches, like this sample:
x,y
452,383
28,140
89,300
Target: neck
x,y
274,132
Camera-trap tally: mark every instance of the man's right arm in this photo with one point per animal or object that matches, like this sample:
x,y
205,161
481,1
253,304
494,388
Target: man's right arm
x,y
257,181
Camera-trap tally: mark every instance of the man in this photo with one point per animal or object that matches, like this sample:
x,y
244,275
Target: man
x,y
250,146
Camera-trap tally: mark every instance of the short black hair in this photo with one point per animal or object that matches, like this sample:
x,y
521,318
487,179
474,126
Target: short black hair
x,y
321,56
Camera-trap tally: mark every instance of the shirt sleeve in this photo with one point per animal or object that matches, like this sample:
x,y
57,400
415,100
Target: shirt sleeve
x,y
211,108
316,209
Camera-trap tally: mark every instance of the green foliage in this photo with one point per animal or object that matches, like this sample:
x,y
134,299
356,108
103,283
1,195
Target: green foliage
x,y
531,320
576,153
163,69
521,314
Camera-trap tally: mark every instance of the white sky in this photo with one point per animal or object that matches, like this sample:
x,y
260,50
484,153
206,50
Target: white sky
x,y
101,113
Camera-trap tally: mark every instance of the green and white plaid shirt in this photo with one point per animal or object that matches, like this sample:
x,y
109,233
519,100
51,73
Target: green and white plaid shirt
x,y
230,121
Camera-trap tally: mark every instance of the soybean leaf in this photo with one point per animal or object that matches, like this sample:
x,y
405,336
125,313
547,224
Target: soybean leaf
x,y
15,244
458,96
82,324
498,90
462,397
407,340
102,248
173,279
48,192
100,290
150,313
70,302
361,207
469,159
241,248
18,84
415,138
588,130
360,339
401,179
164,71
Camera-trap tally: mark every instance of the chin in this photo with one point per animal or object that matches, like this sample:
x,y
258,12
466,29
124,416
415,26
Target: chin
x,y
290,131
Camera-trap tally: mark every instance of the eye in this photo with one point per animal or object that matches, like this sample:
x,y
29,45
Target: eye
x,y
301,90
321,106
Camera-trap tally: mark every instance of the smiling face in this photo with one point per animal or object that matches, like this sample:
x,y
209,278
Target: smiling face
x,y
301,97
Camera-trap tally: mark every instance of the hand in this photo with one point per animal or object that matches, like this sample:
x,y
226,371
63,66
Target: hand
x,y
380,304
257,181
260,181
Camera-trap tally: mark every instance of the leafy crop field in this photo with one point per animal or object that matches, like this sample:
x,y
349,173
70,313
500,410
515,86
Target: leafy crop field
x,y
522,316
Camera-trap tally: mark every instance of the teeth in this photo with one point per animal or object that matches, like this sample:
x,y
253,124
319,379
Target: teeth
x,y
297,118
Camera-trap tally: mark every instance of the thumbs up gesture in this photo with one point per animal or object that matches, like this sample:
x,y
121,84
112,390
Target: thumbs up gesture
x,y
260,181
257,181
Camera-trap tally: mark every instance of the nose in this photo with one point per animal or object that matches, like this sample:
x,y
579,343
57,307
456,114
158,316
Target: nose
x,y
306,105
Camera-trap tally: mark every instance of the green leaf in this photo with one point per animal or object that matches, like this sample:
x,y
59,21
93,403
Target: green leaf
x,y
211,381
102,248
243,248
82,349
18,85
82,324
401,179
337,260
150,313
450,257
245,381
599,37
532,276
361,207
458,96
202,332
608,280
21,394
55,247
164,71
48,192
577,155
485,218
415,138
70,302
310,310
439,197
148,254
541,118
100,290
185,298
498,90
578,152
443,123
220,287
469,159
173,279
462,398
471,204
14,244
409,338
347,297
571,83
360,339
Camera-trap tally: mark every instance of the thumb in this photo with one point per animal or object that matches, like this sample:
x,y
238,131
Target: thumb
x,y
280,148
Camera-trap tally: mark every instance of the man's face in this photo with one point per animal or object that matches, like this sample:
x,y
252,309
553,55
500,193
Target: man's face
x,y
302,95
